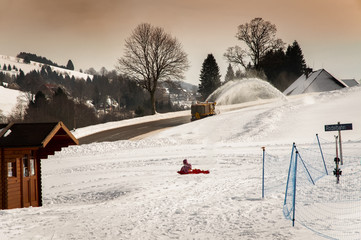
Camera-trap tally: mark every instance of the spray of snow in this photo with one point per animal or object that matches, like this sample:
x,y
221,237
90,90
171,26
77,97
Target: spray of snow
x,y
244,90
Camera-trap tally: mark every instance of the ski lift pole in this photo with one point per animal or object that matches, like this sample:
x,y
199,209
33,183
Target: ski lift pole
x,y
323,159
263,148
294,192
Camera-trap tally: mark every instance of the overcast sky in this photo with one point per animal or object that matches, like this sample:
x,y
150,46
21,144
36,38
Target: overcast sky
x,y
91,32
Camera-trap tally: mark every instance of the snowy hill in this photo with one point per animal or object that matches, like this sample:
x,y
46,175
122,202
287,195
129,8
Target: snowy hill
x,y
130,189
9,97
26,68
8,100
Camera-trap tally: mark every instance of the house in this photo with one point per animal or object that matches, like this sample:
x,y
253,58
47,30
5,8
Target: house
x,y
22,146
316,81
350,82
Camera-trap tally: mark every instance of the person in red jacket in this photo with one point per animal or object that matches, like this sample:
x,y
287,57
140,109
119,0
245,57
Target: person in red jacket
x,y
186,166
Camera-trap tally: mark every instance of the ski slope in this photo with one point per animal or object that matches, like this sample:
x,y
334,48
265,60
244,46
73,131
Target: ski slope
x,y
130,189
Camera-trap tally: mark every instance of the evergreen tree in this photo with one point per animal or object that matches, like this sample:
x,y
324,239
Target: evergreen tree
x,y
70,65
283,68
27,59
40,100
273,65
37,109
296,62
229,75
209,77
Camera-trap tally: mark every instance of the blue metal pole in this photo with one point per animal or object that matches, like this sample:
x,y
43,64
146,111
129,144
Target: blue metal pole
x,y
305,166
294,191
323,159
263,148
289,170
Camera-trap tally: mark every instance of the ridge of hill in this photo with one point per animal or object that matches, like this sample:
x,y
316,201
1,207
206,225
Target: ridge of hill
x,y
28,67
9,98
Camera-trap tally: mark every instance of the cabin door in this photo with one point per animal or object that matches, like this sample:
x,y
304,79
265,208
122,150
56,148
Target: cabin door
x,y
30,186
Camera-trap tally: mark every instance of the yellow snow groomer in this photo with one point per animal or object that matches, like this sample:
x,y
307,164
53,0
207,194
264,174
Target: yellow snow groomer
x,y
202,109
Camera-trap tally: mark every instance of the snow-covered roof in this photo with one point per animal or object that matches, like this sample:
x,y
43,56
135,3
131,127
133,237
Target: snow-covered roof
x,y
350,82
317,81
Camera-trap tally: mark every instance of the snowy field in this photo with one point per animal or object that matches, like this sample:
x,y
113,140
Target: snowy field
x,y
130,189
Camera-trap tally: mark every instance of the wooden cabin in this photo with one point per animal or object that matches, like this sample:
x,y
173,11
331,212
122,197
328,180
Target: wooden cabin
x,y
22,146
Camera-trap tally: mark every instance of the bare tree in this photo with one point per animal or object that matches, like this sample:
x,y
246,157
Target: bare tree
x,y
91,71
260,37
151,55
103,71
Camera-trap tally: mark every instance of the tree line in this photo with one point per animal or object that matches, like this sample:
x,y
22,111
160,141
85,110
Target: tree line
x,y
264,56
27,57
153,56
79,102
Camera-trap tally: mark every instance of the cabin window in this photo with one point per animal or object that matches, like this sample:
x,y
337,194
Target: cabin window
x,y
12,169
32,167
25,166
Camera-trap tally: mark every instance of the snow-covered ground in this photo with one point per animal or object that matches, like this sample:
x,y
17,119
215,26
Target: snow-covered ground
x,y
9,98
130,189
26,68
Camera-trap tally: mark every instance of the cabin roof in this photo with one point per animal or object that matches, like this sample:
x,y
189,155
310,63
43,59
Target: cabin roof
x,y
34,134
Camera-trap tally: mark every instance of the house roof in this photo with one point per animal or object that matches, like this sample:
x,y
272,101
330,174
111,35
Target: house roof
x,y
350,82
317,81
35,135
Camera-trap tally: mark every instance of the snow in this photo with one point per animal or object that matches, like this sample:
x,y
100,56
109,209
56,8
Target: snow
x,y
81,132
317,81
8,100
244,90
130,189
26,68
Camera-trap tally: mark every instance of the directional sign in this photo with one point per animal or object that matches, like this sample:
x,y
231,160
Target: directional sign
x,y
338,127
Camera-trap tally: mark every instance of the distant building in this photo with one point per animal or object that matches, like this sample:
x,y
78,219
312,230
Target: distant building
x,y
350,82
316,81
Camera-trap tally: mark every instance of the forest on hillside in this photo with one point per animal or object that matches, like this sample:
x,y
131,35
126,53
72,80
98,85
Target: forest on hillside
x,y
107,96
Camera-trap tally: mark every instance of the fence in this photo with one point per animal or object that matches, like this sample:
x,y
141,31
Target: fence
x,y
311,196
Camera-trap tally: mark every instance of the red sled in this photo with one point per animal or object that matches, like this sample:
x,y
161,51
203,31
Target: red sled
x,y
194,171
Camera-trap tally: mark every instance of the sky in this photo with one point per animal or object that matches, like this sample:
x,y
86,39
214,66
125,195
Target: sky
x,y
92,33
